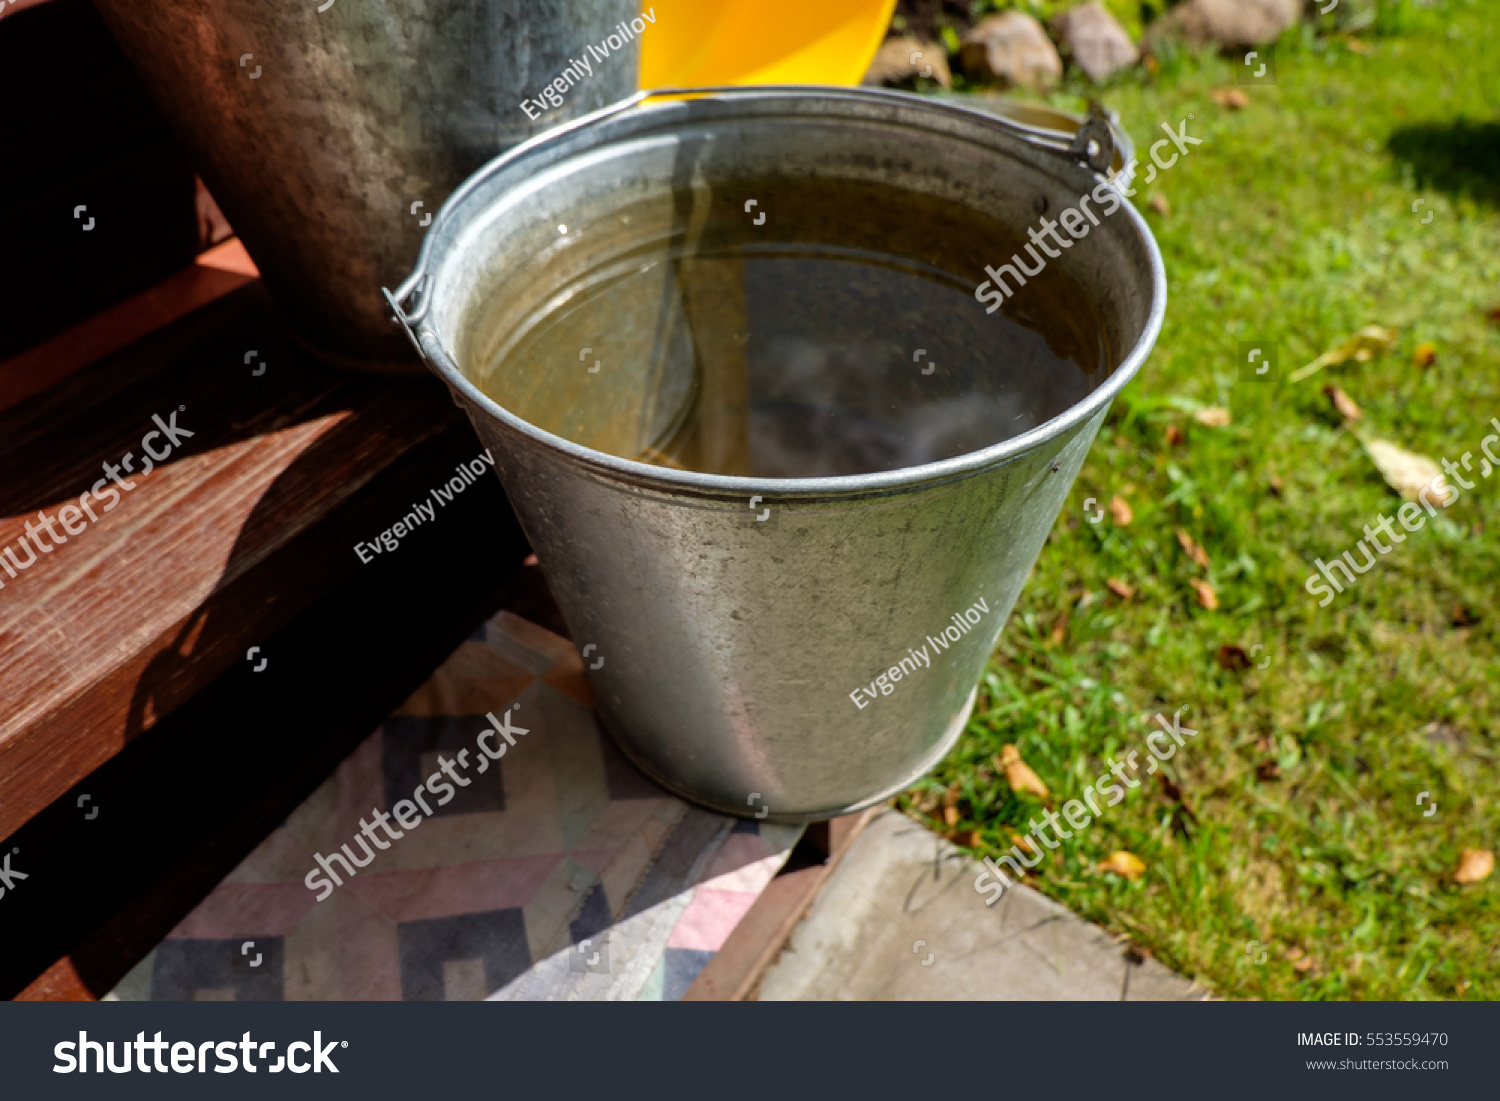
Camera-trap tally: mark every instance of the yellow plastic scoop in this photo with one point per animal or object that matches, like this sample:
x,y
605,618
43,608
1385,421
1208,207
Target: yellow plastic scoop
x,y
702,43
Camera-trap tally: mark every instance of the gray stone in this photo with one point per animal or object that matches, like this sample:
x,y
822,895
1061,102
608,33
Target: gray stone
x,y
1011,48
899,919
1096,43
1149,981
1230,23
900,61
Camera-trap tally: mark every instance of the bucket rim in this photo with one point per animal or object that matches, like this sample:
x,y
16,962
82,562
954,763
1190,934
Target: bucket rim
x,y
667,479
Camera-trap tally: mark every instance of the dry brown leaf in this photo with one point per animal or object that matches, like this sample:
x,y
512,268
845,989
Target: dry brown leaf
x,y
1295,952
1193,550
1214,416
1232,658
1304,965
1276,485
965,839
1123,863
1425,355
1174,435
1025,844
1120,588
1206,595
1474,865
1119,508
1160,205
1267,771
1059,628
950,816
1343,403
925,802
1362,347
1018,773
1231,98
1407,472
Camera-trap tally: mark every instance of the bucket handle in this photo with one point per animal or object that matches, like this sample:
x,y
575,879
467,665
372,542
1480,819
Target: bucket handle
x,y
1093,146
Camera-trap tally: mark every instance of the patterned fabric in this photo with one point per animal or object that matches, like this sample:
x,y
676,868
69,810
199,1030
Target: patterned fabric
x,y
558,872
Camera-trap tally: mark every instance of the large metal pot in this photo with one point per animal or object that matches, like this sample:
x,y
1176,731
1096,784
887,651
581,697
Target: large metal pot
x,y
331,132
727,646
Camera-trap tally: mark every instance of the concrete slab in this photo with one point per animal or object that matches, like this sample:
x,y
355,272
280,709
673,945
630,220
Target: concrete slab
x,y
899,919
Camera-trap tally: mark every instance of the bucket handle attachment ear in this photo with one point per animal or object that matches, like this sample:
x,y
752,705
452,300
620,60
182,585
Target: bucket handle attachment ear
x,y
406,320
416,282
1094,144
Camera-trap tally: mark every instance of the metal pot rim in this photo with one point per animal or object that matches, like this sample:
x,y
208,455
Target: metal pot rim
x,y
665,479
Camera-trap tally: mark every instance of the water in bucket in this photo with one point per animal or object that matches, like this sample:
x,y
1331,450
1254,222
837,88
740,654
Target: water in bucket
x,y
793,328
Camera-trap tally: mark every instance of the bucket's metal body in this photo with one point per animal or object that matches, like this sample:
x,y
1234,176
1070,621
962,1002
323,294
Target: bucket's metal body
x,y
727,640
317,126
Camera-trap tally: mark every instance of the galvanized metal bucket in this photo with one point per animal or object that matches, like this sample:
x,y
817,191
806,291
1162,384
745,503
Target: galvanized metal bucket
x,y
331,132
733,624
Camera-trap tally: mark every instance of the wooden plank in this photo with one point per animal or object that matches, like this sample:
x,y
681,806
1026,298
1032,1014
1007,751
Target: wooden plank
x,y
59,983
223,268
222,543
182,805
141,213
88,136
735,969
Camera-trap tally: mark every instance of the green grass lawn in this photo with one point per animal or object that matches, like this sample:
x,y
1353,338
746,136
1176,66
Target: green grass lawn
x,y
1292,223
